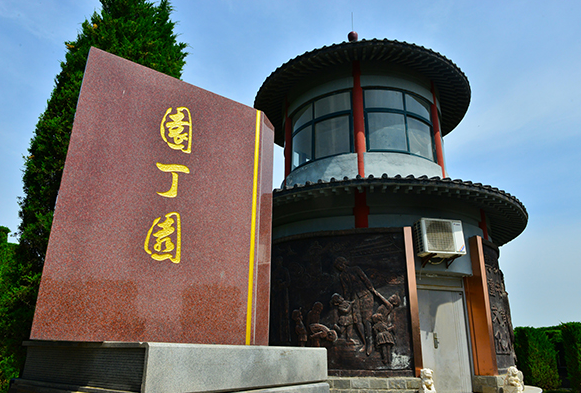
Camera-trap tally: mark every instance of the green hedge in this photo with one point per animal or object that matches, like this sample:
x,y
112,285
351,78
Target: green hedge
x,y
536,358
571,335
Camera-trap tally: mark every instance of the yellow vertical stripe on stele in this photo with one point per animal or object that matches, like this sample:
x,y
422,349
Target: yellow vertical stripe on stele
x,y
253,229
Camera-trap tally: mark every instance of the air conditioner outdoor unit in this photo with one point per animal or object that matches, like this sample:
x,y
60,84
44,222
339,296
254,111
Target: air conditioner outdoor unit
x,y
439,238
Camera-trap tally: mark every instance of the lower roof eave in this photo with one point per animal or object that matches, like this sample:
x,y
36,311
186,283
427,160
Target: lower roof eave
x,y
506,215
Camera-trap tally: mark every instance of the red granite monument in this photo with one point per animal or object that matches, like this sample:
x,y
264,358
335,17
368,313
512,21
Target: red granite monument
x,y
162,227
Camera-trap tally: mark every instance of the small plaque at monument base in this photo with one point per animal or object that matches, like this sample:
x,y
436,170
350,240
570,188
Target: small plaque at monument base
x,y
161,231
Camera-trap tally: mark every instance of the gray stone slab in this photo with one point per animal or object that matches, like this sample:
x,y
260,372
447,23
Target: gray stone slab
x,y
204,368
321,387
170,368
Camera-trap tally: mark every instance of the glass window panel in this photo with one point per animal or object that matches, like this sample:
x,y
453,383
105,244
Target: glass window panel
x,y
417,106
304,115
332,104
332,137
375,98
420,138
386,131
302,147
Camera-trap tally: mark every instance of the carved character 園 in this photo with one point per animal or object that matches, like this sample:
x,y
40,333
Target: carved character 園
x,y
167,239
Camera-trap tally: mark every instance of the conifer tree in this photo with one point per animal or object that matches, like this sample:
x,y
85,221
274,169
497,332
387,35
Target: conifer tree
x,y
8,321
137,30
134,29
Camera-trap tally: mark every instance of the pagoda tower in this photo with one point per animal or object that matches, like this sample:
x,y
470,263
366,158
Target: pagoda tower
x,y
377,254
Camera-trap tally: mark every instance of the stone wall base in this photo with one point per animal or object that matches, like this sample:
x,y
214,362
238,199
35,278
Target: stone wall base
x,y
373,385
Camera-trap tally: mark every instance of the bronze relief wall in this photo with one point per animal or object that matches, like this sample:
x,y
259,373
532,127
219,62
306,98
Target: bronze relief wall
x,y
346,291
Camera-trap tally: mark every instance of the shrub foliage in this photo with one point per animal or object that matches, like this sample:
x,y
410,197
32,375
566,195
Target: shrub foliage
x,y
571,334
536,358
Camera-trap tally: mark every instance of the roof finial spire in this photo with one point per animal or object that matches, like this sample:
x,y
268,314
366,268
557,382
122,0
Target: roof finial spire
x,y
352,36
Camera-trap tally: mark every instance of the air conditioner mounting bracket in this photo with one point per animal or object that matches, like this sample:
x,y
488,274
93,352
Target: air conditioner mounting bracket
x,y
450,260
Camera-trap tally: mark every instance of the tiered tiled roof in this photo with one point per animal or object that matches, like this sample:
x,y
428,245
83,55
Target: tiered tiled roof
x,y
451,83
506,215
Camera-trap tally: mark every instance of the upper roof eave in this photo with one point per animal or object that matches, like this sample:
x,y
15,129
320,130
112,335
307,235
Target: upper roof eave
x,y
451,83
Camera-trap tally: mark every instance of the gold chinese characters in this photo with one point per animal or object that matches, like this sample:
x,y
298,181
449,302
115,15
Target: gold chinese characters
x,y
163,240
176,129
167,238
174,169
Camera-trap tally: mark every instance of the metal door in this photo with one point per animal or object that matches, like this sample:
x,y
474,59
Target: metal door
x,y
444,339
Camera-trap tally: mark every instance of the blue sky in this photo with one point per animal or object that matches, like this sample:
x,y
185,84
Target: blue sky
x,y
521,133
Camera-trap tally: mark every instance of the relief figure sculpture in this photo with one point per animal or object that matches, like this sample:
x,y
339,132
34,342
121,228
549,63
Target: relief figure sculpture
x,y
343,318
314,317
383,326
321,331
347,293
300,328
358,288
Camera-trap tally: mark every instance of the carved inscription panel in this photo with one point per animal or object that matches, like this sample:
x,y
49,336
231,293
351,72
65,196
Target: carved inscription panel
x,y
346,291
499,309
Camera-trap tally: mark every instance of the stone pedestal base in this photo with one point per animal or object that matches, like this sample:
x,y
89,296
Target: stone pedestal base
x,y
56,367
374,384
487,383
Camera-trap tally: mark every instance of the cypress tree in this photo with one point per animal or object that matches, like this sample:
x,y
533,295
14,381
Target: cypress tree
x,y
137,30
134,29
7,251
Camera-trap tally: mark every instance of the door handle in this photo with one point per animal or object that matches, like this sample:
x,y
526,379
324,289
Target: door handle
x,y
436,341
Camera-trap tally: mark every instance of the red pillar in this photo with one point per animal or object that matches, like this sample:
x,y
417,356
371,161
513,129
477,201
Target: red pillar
x,y
358,119
437,132
288,130
482,225
361,210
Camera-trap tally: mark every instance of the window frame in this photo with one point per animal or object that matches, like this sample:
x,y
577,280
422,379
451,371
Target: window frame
x,y
313,122
405,113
